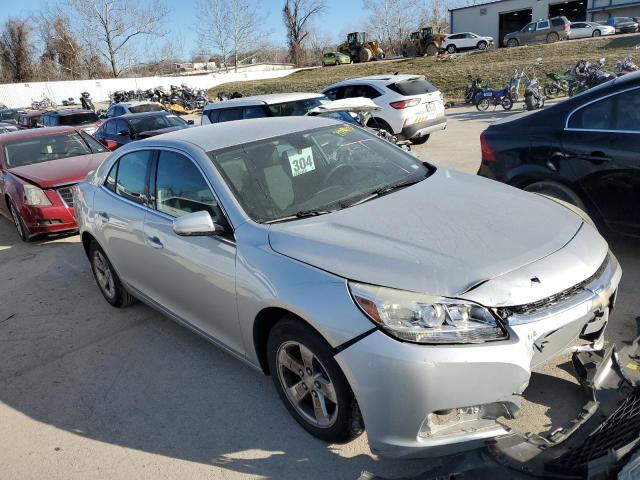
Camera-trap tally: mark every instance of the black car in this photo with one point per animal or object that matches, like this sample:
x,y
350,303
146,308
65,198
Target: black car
x,y
584,150
118,131
85,120
623,24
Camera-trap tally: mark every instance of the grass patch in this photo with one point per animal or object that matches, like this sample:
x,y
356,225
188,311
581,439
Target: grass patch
x,y
494,66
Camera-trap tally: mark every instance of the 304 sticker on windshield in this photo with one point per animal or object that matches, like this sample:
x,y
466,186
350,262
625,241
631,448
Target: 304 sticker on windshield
x,y
301,162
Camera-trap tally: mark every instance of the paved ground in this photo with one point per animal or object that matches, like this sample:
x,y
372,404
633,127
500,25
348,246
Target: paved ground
x,y
89,391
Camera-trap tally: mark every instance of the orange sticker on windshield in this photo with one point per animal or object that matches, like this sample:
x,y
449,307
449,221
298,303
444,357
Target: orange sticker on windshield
x,y
342,131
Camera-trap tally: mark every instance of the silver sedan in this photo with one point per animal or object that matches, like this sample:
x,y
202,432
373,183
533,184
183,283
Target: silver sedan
x,y
378,291
589,29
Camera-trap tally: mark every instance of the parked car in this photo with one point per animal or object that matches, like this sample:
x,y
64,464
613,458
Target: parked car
x,y
412,108
543,31
583,151
354,274
589,29
123,129
258,106
465,41
72,117
31,119
38,169
8,127
335,58
623,24
9,115
123,108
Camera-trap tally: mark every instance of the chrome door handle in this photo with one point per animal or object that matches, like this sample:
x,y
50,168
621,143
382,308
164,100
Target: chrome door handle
x,y
154,242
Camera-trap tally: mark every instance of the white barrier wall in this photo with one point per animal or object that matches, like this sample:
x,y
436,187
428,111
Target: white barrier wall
x,y
20,95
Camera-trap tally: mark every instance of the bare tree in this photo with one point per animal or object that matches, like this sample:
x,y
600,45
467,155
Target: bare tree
x,y
16,51
389,22
111,27
296,15
61,50
436,14
213,28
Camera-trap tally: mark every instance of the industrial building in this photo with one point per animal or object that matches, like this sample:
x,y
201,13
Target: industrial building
x,y
500,17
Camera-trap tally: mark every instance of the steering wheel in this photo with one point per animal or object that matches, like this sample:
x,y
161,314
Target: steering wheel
x,y
339,168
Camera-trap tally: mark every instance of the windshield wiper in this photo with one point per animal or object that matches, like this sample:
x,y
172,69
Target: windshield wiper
x,y
300,214
396,186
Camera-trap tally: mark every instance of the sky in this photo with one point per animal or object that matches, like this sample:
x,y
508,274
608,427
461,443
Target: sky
x,y
340,17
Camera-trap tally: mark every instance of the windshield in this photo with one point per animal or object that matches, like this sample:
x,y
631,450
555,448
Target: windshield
x,y
156,122
302,173
146,107
43,149
78,119
296,108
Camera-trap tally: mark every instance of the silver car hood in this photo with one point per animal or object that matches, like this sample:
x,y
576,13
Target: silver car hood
x,y
442,236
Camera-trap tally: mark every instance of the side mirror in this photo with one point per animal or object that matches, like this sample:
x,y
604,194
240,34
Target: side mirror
x,y
196,224
124,133
191,122
111,145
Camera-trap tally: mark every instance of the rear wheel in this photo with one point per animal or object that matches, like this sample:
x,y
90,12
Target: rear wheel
x,y
553,37
551,91
556,190
482,45
512,42
432,50
506,103
365,55
596,33
310,382
107,279
23,231
482,104
451,49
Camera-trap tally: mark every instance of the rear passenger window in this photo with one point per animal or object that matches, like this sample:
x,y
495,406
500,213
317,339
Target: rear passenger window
x,y
110,128
254,112
542,25
332,94
132,175
213,115
619,112
230,115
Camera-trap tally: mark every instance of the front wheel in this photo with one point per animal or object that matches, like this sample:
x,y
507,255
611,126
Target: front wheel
x,y
21,228
596,33
551,91
482,45
512,42
482,104
310,382
468,96
507,103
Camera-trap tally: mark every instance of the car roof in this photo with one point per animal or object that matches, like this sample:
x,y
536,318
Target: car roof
x,y
33,133
33,113
229,134
377,79
70,111
134,103
128,116
269,99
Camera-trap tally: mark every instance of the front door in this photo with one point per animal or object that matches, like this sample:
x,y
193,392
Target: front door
x,y
602,140
192,277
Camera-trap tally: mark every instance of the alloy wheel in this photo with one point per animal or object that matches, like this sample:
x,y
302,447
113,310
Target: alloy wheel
x,y
17,222
306,384
103,273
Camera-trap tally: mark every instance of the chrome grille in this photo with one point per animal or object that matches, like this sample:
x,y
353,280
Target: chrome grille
x,y
558,298
66,193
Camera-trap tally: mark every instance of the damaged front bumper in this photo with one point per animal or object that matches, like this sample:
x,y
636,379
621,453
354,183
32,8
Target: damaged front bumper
x,y
422,400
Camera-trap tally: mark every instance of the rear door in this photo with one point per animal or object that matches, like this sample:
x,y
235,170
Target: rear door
x,y
542,30
602,140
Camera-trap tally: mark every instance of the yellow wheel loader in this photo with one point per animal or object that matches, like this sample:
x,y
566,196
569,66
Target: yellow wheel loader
x,y
423,42
359,49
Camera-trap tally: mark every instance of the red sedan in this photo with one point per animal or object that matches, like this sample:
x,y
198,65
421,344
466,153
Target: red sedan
x,y
38,169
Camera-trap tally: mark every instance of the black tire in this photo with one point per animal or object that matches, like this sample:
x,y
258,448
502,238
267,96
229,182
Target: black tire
x,y
431,50
348,423
553,37
365,55
551,91
411,51
120,298
512,42
468,96
483,104
420,140
21,228
556,190
506,103
379,123
482,45
451,49
596,33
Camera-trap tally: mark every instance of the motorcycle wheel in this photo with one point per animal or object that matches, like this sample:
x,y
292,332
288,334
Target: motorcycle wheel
x,y
551,91
482,104
506,103
529,103
468,96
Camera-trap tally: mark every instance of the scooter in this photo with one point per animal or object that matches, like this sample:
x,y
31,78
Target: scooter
x,y
533,98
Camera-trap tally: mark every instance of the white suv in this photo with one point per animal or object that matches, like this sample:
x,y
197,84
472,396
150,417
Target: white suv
x,y
465,41
411,108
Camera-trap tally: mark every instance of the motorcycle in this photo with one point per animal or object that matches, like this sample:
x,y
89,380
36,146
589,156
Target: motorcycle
x,y
625,66
587,75
86,102
533,99
558,85
486,97
472,89
42,104
68,102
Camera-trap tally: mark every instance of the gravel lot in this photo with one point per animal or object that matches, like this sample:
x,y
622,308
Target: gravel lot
x,y
89,391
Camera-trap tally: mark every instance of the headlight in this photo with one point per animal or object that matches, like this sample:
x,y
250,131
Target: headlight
x,y
35,196
421,318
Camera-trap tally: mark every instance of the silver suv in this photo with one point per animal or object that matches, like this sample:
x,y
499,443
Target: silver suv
x,y
375,289
549,30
